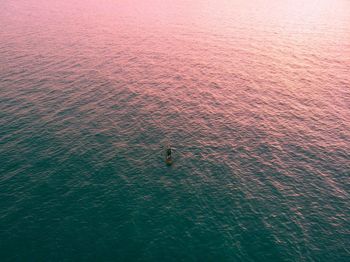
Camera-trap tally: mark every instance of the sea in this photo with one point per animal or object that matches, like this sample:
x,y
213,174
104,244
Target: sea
x,y
253,96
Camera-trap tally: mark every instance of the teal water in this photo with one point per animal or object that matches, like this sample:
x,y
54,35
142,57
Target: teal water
x,y
253,95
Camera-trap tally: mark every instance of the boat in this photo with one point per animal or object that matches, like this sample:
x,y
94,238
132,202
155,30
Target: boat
x,y
168,156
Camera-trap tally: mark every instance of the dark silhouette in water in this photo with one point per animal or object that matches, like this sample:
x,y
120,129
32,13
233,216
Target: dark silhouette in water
x,y
168,158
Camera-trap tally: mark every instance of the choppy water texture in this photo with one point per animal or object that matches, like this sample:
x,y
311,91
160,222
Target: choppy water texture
x,y
254,95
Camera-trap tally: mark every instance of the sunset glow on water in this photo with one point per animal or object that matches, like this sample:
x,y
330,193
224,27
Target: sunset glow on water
x,y
253,96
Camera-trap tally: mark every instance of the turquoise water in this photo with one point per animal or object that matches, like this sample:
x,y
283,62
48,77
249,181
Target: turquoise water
x,y
253,95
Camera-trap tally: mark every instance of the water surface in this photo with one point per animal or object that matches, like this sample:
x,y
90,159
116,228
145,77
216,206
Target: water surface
x,y
254,96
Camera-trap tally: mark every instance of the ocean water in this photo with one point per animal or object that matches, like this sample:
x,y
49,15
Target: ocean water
x,y
253,95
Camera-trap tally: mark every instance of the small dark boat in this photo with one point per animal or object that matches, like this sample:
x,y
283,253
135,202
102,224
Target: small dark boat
x,y
168,156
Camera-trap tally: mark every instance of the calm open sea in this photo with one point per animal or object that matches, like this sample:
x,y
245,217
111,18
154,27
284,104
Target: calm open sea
x,y
254,95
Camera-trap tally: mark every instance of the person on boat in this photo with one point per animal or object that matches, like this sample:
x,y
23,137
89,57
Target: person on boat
x,y
168,153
